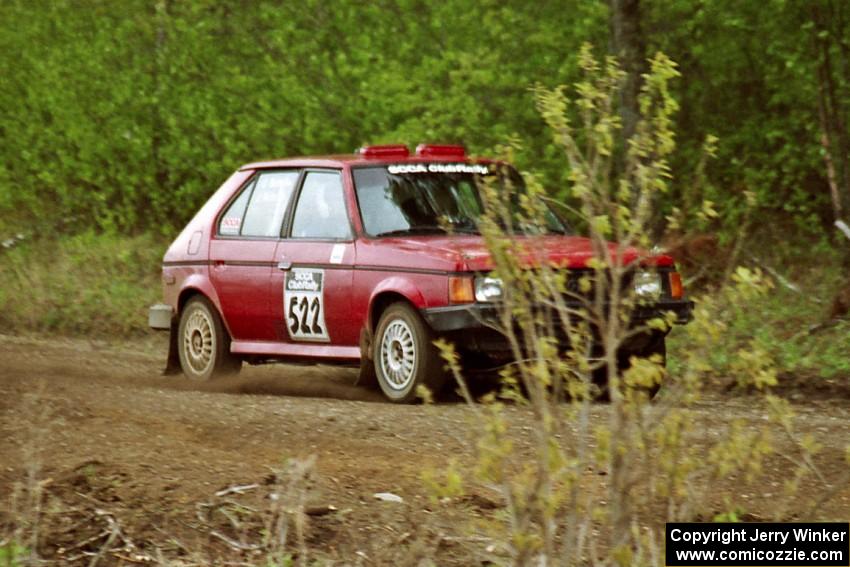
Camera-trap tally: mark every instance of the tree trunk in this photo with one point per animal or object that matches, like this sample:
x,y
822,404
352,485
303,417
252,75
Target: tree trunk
x,y
628,45
834,138
826,143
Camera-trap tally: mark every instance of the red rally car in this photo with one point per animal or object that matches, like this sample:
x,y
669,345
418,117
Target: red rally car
x,y
348,260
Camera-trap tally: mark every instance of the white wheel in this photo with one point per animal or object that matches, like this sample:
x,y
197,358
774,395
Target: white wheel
x,y
398,355
404,355
203,344
199,341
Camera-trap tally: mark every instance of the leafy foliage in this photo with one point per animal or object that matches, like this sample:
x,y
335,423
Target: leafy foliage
x,y
125,115
568,344
12,554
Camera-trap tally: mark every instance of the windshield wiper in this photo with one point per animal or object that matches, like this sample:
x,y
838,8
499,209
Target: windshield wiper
x,y
423,229
428,229
465,228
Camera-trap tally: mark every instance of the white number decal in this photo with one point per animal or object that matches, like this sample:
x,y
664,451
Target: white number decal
x,y
304,305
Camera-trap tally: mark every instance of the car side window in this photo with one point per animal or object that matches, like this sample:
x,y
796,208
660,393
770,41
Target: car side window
x,y
321,212
260,209
269,202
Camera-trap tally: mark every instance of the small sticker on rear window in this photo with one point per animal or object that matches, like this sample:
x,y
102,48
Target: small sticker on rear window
x,y
230,225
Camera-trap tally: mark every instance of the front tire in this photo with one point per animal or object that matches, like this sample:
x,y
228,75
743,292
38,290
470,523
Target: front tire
x,y
203,344
657,346
405,356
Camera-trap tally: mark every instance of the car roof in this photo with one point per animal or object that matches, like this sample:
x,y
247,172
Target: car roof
x,y
354,160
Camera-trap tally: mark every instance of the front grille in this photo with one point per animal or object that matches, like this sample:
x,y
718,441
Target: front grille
x,y
575,276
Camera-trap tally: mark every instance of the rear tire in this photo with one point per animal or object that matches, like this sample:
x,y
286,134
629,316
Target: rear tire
x,y
203,344
404,355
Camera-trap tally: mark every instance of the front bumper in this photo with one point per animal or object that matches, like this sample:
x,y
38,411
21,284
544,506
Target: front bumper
x,y
481,315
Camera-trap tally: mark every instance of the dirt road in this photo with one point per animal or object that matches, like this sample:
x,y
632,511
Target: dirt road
x,y
155,464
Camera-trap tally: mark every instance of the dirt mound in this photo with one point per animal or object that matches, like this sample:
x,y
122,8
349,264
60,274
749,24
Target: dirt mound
x,y
102,511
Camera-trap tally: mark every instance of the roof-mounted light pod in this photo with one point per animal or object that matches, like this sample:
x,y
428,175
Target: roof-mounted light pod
x,y
385,151
441,150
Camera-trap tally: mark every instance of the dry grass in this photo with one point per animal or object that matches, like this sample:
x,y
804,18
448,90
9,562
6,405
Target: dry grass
x,y
98,285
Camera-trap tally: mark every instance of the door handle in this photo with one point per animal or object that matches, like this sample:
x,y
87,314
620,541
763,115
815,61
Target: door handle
x,y
284,264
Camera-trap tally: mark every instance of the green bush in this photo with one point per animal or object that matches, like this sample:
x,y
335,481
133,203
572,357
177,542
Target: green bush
x,y
12,554
791,326
125,114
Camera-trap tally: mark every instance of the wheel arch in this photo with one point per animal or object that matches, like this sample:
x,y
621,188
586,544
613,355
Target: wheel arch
x,y
380,304
200,287
185,295
391,291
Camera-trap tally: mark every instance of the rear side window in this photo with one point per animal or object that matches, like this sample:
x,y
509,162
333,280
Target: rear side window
x,y
260,209
321,212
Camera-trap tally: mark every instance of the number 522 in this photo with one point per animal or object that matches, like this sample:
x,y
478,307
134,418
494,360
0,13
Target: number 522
x,y
304,315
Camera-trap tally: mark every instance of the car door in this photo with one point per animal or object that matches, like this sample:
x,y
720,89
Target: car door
x,y
313,275
242,253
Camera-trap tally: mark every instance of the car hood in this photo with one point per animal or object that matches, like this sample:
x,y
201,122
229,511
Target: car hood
x,y
469,252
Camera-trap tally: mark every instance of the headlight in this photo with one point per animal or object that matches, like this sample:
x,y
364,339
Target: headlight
x,y
487,289
647,285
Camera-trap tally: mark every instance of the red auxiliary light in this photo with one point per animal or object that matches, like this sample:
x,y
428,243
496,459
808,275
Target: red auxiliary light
x,y
387,151
440,150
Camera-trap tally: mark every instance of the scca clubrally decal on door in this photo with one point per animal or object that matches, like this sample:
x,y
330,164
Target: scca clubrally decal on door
x,y
304,305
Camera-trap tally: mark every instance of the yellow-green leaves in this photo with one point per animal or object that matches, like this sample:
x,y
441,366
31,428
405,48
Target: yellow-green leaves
x,y
444,483
615,182
602,225
707,211
754,367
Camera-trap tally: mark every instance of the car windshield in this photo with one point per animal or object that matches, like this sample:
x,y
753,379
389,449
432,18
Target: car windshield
x,y
434,198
